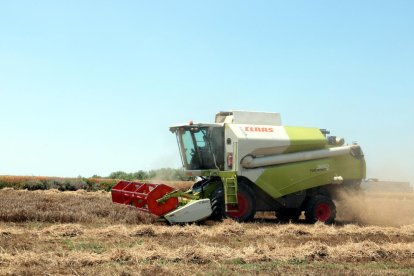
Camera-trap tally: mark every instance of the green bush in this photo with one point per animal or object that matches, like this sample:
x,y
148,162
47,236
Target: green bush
x,y
120,175
163,173
140,175
73,185
169,174
91,184
67,184
4,184
34,185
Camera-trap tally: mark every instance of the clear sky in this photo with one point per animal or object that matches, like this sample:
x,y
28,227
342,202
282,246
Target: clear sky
x,y
91,87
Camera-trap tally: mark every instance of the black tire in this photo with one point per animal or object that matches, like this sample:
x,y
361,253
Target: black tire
x,y
287,214
320,208
217,204
246,202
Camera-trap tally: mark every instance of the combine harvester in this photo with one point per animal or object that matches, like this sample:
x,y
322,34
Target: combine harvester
x,y
249,162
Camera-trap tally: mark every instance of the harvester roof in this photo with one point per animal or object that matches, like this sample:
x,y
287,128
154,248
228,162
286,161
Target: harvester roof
x,y
249,117
192,125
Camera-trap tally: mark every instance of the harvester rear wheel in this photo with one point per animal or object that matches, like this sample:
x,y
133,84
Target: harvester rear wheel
x,y
320,208
246,204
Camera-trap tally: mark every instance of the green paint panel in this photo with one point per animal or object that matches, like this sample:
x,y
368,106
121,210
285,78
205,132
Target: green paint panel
x,y
210,188
305,138
208,173
350,167
285,179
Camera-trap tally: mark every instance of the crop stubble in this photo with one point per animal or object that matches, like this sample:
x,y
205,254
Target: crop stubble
x,y
51,232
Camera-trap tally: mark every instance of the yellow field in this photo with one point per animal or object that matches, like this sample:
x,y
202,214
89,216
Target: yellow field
x,y
83,233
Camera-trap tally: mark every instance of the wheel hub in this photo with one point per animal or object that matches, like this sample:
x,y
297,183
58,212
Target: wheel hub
x,y
323,212
242,207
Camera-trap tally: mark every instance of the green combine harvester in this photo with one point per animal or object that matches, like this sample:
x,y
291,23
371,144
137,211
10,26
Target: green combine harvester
x,y
249,162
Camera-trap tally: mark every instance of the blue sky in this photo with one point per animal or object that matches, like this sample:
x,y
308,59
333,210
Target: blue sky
x,y
91,87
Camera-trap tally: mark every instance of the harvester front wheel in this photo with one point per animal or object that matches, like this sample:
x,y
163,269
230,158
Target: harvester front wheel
x,y
246,204
320,208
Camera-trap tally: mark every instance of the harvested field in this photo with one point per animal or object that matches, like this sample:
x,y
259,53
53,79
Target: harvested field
x,y
83,233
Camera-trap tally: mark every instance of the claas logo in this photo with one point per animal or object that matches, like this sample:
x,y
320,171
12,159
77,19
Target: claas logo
x,y
258,129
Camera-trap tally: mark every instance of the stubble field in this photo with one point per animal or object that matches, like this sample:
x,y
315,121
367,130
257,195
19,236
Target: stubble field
x,y
83,233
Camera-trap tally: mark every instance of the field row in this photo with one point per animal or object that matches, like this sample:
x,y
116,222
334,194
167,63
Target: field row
x,y
82,232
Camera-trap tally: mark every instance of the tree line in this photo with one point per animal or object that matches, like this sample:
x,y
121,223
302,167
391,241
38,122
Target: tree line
x,y
161,174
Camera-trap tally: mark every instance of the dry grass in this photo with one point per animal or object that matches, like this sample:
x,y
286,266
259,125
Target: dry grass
x,y
80,233
54,206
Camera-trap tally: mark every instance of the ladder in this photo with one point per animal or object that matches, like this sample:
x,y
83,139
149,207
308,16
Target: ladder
x,y
230,192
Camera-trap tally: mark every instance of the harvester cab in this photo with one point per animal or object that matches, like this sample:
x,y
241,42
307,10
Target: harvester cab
x,y
201,146
248,162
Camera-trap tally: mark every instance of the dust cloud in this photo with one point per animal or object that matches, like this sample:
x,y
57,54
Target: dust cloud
x,y
376,208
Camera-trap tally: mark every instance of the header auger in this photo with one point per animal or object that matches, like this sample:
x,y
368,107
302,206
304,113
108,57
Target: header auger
x,y
249,162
